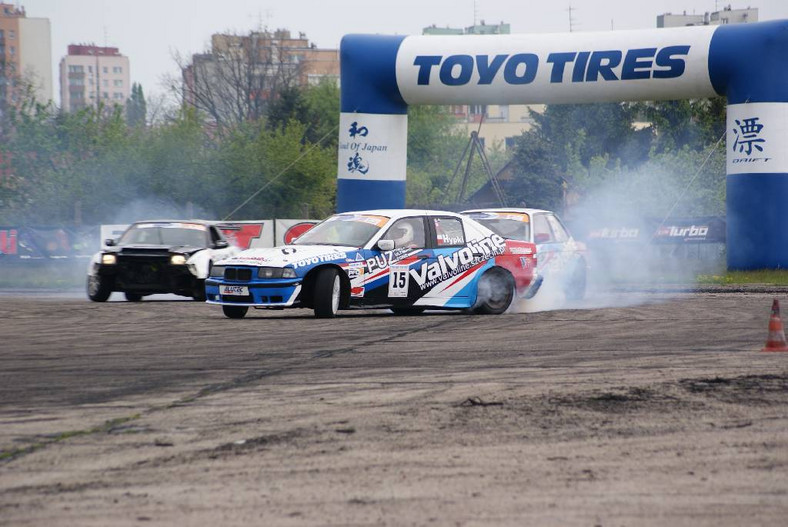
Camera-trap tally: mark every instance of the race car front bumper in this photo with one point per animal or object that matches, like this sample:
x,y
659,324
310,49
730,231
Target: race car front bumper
x,y
273,293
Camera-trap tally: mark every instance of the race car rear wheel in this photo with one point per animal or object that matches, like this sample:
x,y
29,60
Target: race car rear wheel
x,y
494,293
235,311
133,297
99,288
405,311
328,292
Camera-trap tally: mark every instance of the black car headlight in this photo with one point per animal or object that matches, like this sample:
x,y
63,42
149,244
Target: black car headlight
x,y
217,271
275,272
109,259
178,259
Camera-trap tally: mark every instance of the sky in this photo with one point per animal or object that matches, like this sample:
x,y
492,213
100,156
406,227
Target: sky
x,y
152,32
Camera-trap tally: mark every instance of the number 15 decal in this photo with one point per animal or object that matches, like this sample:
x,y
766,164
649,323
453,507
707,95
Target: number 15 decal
x,y
399,278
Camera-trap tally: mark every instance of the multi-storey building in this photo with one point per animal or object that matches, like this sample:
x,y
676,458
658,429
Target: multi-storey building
x,y
90,75
236,78
25,54
727,16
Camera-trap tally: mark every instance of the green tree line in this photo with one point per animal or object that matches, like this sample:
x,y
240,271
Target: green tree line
x,y
87,166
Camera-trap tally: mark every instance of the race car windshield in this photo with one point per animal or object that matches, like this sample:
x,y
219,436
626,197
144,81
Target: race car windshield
x,y
513,228
350,230
153,234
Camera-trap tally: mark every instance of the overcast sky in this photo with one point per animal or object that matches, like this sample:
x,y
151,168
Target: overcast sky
x,y
151,32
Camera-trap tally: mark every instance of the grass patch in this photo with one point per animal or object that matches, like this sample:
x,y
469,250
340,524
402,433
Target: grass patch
x,y
761,276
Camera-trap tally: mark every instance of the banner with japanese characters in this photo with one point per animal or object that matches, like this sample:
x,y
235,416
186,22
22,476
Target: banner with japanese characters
x,y
757,135
372,147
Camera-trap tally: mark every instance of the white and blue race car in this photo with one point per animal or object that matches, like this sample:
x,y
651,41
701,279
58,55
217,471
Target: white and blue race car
x,y
404,260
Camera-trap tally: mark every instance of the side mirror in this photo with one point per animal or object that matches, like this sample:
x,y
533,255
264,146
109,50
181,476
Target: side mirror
x,y
542,237
386,245
109,242
221,244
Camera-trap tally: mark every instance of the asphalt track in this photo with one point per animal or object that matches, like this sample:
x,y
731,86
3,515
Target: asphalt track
x,y
649,409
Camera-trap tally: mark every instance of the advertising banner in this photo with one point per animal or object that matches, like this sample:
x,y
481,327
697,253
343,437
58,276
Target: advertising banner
x,y
664,63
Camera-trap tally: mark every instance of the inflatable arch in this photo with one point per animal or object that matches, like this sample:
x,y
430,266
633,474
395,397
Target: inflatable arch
x,y
747,63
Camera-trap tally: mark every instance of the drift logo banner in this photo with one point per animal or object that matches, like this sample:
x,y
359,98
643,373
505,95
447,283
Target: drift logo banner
x,y
757,133
555,68
372,146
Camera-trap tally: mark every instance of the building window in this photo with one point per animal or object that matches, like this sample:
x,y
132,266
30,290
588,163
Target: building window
x,y
1,34
11,34
104,69
106,95
13,50
117,83
117,96
105,82
90,69
117,69
75,69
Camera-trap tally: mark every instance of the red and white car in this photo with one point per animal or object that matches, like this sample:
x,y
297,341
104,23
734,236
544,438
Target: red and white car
x,y
560,257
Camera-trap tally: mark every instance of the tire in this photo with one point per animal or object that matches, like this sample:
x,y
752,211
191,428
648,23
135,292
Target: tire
x,y
407,311
133,297
328,293
99,288
494,293
235,311
199,290
576,288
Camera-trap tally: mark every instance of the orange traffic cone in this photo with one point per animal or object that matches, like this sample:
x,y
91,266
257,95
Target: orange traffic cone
x,y
776,340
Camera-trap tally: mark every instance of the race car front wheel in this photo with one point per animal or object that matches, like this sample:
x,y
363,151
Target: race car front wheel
x,y
494,293
328,291
235,311
99,288
198,293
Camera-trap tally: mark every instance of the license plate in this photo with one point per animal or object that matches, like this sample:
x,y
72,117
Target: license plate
x,y
234,290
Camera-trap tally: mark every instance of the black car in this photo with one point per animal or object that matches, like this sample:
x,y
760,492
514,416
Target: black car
x,y
153,257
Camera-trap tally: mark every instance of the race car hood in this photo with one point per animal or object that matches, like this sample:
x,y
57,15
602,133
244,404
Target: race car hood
x,y
289,255
154,248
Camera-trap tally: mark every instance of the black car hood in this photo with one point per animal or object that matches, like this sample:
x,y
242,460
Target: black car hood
x,y
141,248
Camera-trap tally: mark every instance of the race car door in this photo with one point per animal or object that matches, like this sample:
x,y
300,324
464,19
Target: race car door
x,y
388,277
444,279
550,238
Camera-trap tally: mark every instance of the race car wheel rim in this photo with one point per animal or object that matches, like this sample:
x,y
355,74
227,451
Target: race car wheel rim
x,y
335,295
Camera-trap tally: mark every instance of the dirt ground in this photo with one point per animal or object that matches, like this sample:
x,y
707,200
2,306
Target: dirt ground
x,y
166,413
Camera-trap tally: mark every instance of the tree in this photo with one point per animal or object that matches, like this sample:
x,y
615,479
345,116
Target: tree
x,y
235,81
136,107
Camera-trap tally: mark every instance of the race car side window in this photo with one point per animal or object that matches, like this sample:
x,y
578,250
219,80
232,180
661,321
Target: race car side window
x,y
558,230
448,232
407,232
542,232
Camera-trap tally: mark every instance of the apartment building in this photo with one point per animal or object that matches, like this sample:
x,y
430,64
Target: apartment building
x,y
25,54
727,15
90,75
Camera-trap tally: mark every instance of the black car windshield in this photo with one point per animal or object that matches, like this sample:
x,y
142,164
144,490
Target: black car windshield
x,y
180,234
511,225
351,230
